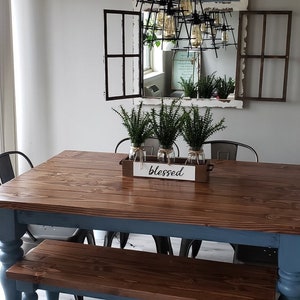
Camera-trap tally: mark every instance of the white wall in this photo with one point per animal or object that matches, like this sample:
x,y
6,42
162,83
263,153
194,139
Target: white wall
x,y
60,77
7,105
60,80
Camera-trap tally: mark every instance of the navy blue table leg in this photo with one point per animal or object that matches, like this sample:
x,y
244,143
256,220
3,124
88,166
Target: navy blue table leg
x,y
10,250
28,289
9,253
289,267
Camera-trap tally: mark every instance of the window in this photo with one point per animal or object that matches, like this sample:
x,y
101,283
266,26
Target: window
x,y
263,55
123,73
147,58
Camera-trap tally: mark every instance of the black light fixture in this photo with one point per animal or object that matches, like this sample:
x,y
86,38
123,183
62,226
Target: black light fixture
x,y
186,24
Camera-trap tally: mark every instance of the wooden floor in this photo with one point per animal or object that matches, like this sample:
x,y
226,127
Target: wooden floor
x,y
209,250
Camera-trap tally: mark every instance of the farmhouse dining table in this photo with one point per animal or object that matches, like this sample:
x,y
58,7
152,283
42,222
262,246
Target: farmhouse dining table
x,y
243,203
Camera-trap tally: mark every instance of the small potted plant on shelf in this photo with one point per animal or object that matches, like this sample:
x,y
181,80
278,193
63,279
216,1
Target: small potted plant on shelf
x,y
224,87
206,86
166,123
189,87
138,127
196,129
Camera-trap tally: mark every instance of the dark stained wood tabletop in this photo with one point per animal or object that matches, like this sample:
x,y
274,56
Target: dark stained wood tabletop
x,y
239,195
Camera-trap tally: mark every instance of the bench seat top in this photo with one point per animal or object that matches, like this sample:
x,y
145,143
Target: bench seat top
x,y
141,275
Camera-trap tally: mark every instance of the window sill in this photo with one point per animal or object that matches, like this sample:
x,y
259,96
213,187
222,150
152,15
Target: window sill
x,y
151,74
230,103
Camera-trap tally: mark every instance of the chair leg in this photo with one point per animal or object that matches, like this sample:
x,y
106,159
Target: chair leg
x,y
90,237
123,239
170,246
163,244
196,247
185,246
109,238
79,237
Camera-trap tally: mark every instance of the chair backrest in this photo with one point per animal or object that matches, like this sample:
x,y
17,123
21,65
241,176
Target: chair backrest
x,y
6,167
35,231
227,150
151,146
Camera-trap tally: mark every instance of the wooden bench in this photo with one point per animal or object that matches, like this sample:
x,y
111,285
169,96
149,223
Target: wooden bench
x,y
98,271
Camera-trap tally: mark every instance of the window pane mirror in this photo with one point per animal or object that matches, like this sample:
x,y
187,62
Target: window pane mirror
x,y
266,57
170,62
123,71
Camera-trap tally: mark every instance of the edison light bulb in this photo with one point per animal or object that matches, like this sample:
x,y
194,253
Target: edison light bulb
x,y
224,36
186,6
217,20
203,28
169,29
196,35
160,19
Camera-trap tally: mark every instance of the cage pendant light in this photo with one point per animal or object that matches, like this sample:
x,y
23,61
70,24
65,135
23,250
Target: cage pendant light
x,y
185,23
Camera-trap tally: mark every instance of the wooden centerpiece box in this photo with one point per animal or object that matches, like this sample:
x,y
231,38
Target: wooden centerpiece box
x,y
178,170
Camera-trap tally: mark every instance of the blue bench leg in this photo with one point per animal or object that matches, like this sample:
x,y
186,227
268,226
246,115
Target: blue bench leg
x,y
30,296
52,295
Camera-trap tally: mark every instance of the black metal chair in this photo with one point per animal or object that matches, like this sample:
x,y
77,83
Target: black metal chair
x,y
228,150
163,244
220,149
37,233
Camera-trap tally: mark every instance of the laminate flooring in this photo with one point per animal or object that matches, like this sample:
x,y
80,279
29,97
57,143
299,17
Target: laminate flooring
x,y
209,250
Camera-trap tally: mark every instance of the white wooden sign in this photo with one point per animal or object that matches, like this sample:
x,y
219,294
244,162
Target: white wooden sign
x,y
164,171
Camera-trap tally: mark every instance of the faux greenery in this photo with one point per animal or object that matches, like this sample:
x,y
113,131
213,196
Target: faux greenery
x,y
150,38
196,129
231,83
167,123
224,87
206,85
137,124
151,35
189,87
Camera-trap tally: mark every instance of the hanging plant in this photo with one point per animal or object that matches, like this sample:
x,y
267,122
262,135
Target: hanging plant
x,y
150,39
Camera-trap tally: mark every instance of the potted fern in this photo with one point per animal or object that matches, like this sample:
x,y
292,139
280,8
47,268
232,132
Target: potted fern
x,y
196,129
189,87
206,86
224,87
166,123
138,127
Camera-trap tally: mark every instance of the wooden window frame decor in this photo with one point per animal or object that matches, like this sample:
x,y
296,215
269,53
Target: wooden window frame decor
x,y
261,58
123,55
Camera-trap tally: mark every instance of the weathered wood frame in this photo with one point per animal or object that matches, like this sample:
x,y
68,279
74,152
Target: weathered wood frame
x,y
123,56
243,57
